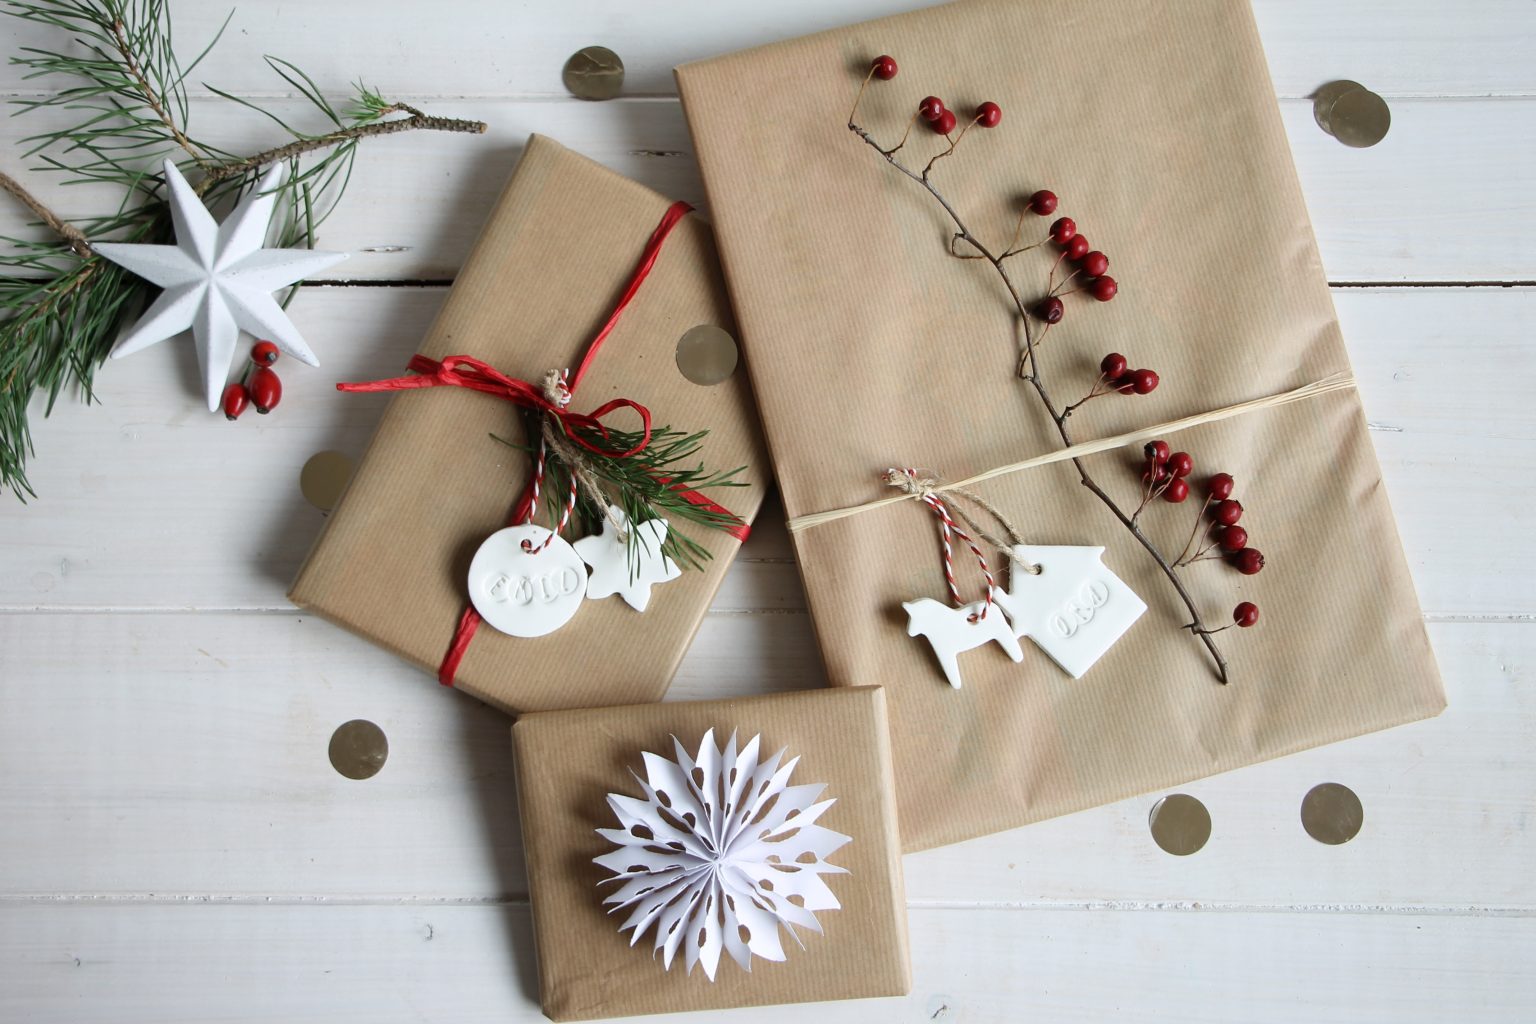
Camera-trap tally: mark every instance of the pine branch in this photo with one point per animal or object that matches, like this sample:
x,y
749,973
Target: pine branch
x,y
61,306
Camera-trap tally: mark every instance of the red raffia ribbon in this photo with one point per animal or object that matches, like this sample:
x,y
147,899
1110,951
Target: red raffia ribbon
x,y
947,525
471,373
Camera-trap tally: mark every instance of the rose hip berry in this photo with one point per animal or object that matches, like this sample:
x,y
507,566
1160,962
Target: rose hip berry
x,y
884,67
1180,464
236,398
1233,539
1157,451
1176,491
1112,365
1227,512
266,390
931,108
1246,614
989,114
263,353
1043,202
1077,247
945,123
1221,486
1103,288
1050,310
1062,230
1095,263
1248,561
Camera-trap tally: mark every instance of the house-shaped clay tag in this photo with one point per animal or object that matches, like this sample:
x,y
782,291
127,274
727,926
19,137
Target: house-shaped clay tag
x,y
1074,609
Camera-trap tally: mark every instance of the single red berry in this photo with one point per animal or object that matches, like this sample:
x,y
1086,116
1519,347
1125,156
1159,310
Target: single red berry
x,y
989,114
266,390
1180,464
1043,202
1157,451
1062,230
1248,561
1112,365
1103,288
236,398
930,108
946,122
1095,263
1246,614
263,353
1227,511
1143,382
1221,486
1077,247
1232,539
1154,475
1176,491
1050,310
884,67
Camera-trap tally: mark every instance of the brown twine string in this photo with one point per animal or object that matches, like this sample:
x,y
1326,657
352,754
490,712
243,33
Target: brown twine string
x,y
924,484
586,478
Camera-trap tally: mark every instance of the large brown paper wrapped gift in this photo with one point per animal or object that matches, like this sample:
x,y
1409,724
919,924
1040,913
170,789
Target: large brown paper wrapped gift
x,y
869,346
549,267
569,761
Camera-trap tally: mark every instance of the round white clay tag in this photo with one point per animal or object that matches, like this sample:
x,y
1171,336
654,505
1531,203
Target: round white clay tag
x,y
523,590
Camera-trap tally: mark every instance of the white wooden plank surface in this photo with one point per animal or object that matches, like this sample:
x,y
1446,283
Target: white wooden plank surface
x,y
175,846
1382,214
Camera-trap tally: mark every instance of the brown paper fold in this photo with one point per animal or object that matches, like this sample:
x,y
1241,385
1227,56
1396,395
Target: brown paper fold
x,y
548,269
568,761
870,346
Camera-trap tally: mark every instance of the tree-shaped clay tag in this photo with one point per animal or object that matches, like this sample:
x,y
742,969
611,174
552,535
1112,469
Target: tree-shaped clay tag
x,y
1074,608
525,581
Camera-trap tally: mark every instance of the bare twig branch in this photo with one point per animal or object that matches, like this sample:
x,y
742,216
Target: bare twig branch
x,y
62,228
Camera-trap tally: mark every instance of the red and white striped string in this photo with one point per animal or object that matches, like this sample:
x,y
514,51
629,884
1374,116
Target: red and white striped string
x,y
947,526
563,399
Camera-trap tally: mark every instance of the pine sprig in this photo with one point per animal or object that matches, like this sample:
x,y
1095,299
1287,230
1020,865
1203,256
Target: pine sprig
x,y
646,485
118,74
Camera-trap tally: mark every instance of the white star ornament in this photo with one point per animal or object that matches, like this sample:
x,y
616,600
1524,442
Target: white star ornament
x,y
218,280
608,555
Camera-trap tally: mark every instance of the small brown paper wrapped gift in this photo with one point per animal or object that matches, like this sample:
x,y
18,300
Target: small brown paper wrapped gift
x,y
871,346
569,761
546,273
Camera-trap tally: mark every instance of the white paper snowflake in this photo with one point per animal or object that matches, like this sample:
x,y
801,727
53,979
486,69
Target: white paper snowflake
x,y
719,854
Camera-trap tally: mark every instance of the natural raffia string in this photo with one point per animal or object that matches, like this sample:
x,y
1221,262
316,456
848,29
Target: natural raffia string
x,y
1328,385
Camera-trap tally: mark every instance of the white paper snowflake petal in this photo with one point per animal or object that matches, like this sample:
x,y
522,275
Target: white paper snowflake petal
x,y
719,855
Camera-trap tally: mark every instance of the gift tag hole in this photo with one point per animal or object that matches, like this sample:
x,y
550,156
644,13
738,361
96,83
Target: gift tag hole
x,y
707,354
1180,824
1331,813
358,749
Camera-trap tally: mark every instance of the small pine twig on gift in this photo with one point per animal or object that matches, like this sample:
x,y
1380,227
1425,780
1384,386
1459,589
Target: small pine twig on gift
x,y
61,305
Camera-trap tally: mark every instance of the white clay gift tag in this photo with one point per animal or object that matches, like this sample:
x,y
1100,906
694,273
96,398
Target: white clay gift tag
x,y
951,630
522,589
1074,609
608,554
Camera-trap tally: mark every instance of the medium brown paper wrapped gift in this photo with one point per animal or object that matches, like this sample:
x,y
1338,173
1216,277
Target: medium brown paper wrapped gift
x,y
870,346
569,761
545,274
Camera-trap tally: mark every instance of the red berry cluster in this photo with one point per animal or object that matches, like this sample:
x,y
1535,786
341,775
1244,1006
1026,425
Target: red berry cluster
x,y
258,386
1115,375
1092,265
942,120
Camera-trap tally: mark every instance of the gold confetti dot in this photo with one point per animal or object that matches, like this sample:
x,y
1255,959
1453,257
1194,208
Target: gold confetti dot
x,y
707,354
1180,824
323,478
1331,813
594,73
358,749
1351,113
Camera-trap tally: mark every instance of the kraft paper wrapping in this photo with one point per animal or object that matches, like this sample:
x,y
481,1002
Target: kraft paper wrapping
x,y
869,346
549,266
568,761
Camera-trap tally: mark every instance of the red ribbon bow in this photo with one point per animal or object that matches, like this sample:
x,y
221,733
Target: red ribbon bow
x,y
472,373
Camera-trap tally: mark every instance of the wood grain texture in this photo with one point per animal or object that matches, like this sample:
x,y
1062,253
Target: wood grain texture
x,y
176,846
